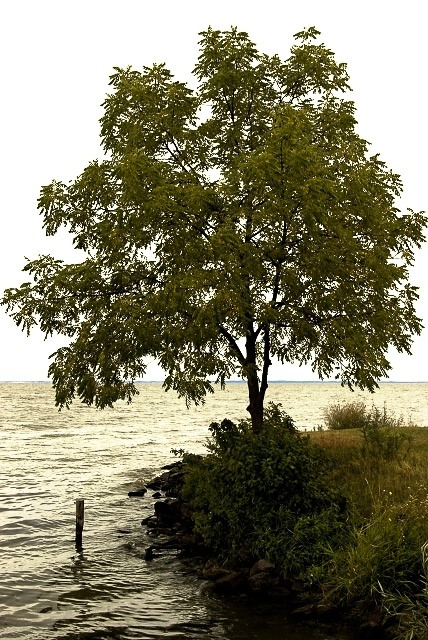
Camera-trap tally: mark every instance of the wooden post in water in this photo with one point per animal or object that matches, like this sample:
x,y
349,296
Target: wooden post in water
x,y
80,518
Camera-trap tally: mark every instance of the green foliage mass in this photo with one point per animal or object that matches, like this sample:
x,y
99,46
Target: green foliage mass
x,y
266,495
226,224
345,415
351,525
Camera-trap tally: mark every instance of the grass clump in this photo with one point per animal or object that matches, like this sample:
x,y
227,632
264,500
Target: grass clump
x,y
355,415
383,437
384,566
348,415
383,554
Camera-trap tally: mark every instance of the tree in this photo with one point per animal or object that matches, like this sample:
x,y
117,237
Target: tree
x,y
224,226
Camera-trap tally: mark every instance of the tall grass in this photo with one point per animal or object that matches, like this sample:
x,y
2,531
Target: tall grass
x,y
384,562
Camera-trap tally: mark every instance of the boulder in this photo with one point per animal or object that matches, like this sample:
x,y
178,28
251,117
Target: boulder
x,y
325,610
149,555
232,582
186,515
170,481
157,483
263,576
168,511
174,483
138,492
307,611
262,581
172,465
262,566
297,586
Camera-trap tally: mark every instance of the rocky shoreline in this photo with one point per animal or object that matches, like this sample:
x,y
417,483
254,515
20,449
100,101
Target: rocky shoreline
x,y
170,527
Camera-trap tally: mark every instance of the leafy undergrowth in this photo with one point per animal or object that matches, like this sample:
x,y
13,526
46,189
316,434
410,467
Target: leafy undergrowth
x,y
346,515
265,495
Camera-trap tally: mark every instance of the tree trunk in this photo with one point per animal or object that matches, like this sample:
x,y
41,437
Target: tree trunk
x,y
257,389
255,407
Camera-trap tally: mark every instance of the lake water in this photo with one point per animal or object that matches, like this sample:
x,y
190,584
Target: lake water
x,y
107,590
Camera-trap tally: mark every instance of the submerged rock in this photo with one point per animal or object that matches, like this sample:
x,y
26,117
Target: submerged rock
x,y
138,492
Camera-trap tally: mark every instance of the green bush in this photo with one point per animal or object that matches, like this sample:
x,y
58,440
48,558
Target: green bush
x,y
275,495
348,415
381,438
265,495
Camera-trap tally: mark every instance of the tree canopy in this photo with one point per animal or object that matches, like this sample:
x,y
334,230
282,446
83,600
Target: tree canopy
x,y
225,225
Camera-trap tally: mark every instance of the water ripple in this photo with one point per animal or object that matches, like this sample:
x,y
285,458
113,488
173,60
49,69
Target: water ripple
x,y
50,591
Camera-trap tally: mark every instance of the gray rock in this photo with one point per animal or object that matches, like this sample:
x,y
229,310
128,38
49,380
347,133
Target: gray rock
x,y
262,566
213,571
307,611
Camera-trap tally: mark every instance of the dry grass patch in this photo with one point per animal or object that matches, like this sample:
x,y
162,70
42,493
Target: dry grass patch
x,y
333,440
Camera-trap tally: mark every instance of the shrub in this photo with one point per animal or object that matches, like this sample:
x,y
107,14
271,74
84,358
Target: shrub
x,y
354,415
262,495
380,443
349,415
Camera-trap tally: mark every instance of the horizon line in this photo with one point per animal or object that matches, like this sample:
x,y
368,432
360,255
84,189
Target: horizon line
x,y
277,381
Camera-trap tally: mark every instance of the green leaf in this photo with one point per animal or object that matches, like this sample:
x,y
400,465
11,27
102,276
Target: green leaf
x,y
226,225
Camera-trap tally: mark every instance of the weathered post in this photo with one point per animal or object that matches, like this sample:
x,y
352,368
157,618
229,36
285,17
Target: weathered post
x,y
80,518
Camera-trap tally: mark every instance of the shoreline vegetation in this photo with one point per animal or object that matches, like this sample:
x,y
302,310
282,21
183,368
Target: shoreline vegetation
x,y
332,524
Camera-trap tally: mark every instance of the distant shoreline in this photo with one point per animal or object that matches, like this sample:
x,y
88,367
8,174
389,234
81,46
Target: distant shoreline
x,y
235,382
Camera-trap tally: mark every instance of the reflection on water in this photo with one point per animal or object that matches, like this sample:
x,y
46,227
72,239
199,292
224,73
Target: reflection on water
x,y
48,459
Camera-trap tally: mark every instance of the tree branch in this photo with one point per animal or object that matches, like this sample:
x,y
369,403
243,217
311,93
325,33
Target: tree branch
x,y
232,343
266,360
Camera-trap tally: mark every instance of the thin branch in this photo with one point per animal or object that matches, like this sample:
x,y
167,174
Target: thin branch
x,y
232,343
266,360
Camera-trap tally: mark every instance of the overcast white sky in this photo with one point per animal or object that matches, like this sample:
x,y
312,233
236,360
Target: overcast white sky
x,y
56,58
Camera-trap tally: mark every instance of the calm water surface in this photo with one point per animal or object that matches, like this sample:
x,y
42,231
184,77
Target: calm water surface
x,y
107,590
